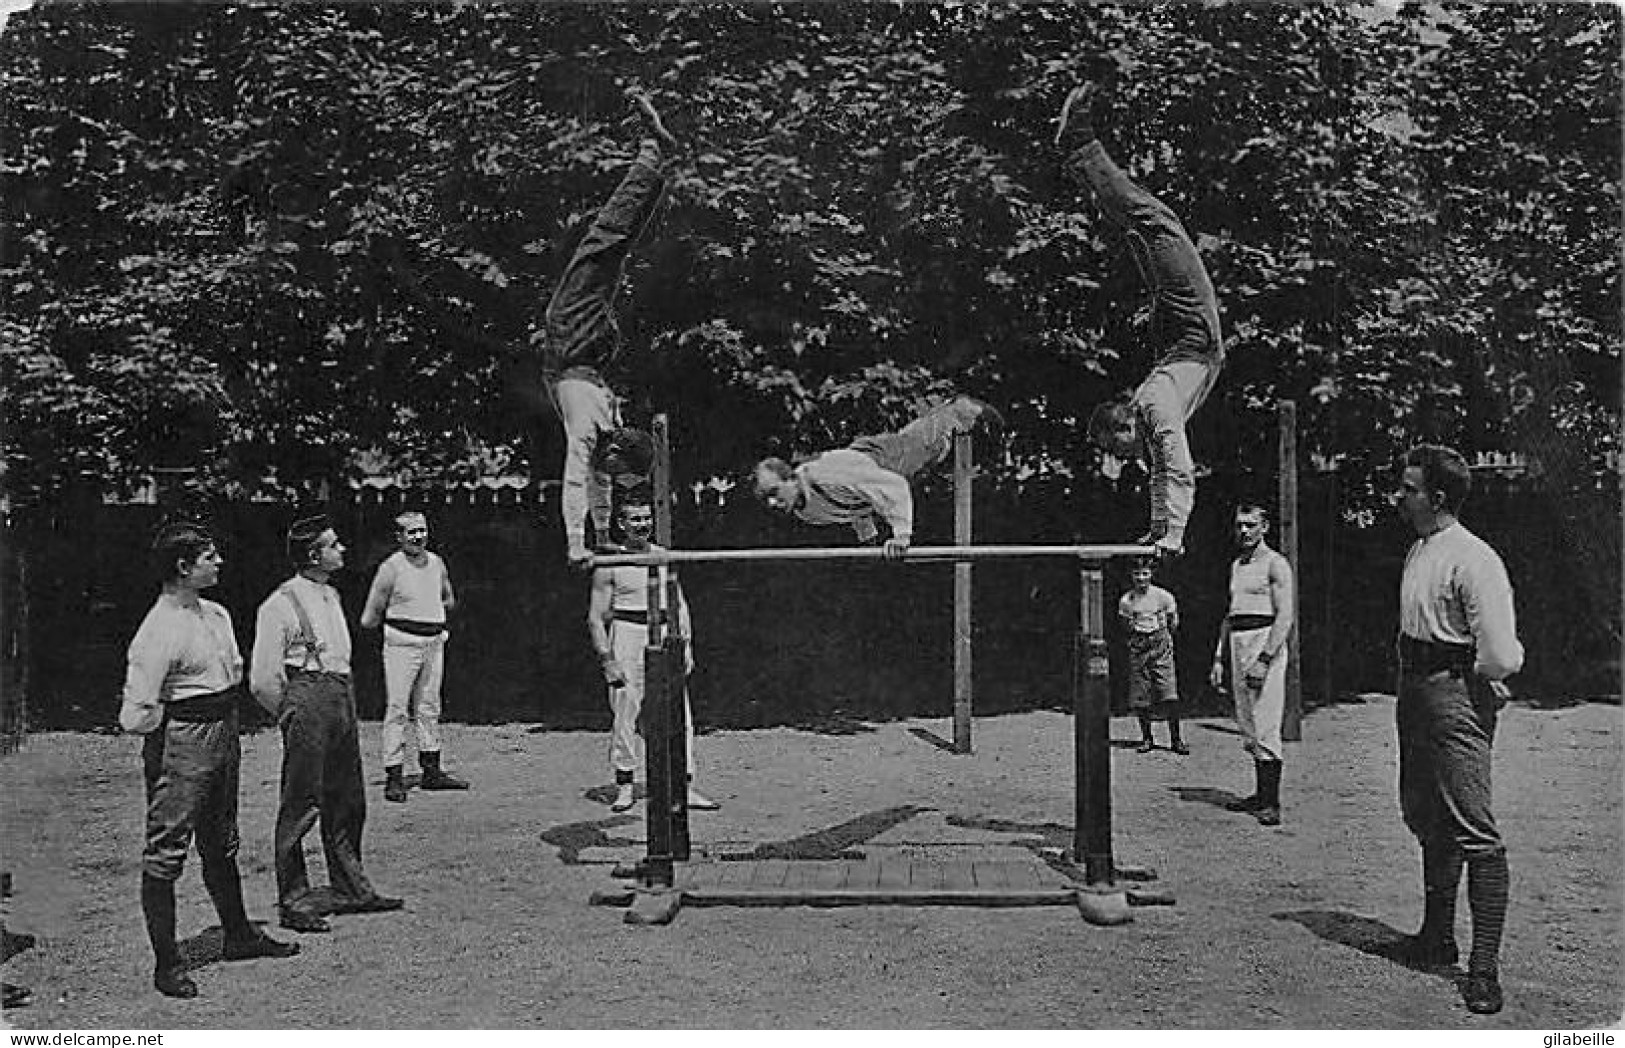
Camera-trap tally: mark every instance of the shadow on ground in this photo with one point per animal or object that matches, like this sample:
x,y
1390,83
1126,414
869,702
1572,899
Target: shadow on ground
x,y
572,838
835,842
1365,934
1205,795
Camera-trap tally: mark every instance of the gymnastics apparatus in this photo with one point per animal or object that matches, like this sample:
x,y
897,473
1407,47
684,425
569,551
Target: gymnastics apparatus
x,y
656,897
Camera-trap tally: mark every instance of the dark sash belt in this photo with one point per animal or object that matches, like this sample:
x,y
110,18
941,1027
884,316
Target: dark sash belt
x,y
1426,657
637,615
416,628
1251,622
203,709
298,671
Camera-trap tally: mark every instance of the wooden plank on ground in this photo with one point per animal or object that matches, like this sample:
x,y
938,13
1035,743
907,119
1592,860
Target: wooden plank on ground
x,y
751,895
733,874
957,875
893,873
769,873
1024,874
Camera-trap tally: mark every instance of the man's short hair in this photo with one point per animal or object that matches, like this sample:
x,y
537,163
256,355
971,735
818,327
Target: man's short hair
x,y
1443,471
1109,416
1253,506
177,541
407,518
303,535
775,465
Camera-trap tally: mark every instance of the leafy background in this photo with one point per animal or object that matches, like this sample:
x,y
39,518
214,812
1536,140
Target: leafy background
x,y
273,248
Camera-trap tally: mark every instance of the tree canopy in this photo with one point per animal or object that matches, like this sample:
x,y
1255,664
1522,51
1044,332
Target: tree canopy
x,y
271,238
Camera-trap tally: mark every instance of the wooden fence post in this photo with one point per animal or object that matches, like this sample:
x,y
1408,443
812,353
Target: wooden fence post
x,y
1287,469
964,686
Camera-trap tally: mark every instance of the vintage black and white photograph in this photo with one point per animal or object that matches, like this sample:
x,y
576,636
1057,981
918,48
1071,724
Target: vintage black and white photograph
x,y
955,515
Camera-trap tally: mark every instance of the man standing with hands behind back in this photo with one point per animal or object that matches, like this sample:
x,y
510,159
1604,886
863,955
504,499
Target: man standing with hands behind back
x,y
410,598
1458,640
181,690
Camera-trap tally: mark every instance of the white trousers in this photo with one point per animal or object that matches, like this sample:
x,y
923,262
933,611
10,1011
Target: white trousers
x,y
413,668
1258,711
627,640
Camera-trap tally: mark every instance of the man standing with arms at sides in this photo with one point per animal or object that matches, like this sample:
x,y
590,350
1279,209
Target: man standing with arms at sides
x,y
301,674
1150,617
410,598
1252,644
1458,640
618,621
181,689
1149,423
582,344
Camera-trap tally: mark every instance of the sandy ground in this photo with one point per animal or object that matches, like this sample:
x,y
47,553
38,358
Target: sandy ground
x,y
1273,928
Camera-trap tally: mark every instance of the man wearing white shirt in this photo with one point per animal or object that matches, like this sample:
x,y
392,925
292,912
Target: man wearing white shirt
x,y
181,688
1149,423
582,346
301,674
410,598
868,481
1458,640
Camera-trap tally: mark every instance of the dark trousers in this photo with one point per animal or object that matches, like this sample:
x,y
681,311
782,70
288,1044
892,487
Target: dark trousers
x,y
321,779
1185,311
1152,683
581,328
191,779
922,443
1446,724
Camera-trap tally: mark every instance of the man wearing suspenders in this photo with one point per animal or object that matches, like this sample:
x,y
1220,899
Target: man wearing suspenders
x,y
301,674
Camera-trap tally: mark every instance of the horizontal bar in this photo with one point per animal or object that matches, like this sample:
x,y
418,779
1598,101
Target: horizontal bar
x,y
915,554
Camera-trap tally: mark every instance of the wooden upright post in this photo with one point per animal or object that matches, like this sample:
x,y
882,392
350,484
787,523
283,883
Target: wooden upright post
x,y
1091,716
660,494
658,687
673,712
963,675
1287,469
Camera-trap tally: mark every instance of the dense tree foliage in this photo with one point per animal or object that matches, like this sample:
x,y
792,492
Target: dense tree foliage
x,y
269,238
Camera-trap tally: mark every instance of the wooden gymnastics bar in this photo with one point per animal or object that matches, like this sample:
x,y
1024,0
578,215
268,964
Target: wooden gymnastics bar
x,y
915,554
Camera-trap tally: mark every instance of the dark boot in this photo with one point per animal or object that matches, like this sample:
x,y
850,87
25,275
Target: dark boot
x,y
158,905
1434,946
1147,743
1175,741
243,940
1487,892
433,777
1256,801
394,784
1269,792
